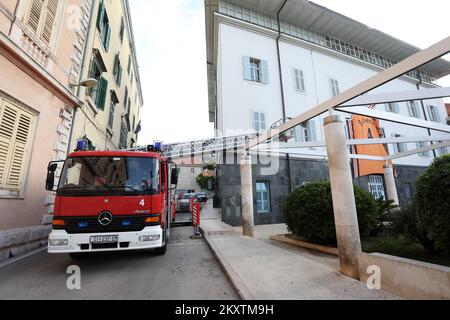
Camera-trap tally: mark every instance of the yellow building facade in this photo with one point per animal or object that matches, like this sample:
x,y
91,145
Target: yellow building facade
x,y
110,116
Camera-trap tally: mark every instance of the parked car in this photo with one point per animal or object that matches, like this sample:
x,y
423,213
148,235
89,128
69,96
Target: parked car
x,y
201,197
184,202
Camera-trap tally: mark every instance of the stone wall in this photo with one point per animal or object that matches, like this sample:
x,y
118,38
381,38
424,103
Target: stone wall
x,y
19,241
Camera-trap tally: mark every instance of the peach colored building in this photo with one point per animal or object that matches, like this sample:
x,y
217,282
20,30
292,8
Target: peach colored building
x,y
41,53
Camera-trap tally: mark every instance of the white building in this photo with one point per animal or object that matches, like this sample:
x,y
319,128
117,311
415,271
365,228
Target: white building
x,y
258,76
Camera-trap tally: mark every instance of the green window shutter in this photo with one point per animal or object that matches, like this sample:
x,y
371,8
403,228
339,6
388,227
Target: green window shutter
x,y
101,15
116,64
108,37
122,29
101,94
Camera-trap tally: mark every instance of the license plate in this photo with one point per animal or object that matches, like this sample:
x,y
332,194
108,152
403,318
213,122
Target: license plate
x,y
104,239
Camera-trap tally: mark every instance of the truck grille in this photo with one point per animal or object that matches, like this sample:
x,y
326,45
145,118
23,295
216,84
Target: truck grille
x,y
92,225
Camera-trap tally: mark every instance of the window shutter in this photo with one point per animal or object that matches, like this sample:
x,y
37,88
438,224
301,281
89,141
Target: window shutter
x,y
34,15
101,95
302,80
312,130
122,29
108,37
101,15
428,111
265,71
49,21
15,128
247,71
116,64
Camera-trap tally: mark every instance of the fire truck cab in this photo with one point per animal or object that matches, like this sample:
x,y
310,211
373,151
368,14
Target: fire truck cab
x,y
112,200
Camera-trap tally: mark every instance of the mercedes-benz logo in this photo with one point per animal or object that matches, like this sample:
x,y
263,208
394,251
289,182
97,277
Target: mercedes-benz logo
x,y
105,218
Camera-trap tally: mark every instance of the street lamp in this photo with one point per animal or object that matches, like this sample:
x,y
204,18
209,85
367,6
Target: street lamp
x,y
88,83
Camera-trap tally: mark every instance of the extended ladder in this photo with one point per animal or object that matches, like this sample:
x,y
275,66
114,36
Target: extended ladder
x,y
192,148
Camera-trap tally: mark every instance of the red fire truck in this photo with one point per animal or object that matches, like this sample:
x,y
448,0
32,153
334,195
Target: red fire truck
x,y
112,200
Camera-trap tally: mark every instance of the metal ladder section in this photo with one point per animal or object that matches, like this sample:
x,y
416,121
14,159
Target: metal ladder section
x,y
192,148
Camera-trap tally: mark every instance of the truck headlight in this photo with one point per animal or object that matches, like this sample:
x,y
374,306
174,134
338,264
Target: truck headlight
x,y
148,238
58,242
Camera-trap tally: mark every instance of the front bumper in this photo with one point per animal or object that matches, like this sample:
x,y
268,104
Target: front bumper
x,y
78,243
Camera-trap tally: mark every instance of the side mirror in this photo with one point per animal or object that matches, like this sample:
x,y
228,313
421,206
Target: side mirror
x,y
50,181
174,176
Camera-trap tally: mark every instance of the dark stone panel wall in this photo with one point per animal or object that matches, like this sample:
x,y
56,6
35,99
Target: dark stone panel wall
x,y
301,171
405,182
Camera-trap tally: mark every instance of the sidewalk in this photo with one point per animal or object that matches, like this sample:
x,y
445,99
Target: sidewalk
x,y
264,269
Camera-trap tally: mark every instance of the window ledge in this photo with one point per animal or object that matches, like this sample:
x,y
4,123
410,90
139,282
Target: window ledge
x,y
92,105
257,83
10,194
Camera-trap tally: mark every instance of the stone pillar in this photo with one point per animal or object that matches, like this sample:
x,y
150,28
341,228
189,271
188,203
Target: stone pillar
x,y
346,220
247,196
389,179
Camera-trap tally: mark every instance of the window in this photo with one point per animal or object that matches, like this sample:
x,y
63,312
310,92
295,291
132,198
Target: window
x,y
306,132
399,147
112,109
192,170
440,152
122,29
262,197
392,107
16,127
117,70
123,136
126,97
425,154
433,114
413,109
334,85
256,70
41,19
103,25
299,80
98,95
129,65
376,187
259,121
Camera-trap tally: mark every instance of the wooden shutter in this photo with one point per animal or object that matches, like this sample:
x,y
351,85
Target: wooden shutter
x,y
247,71
48,23
15,132
34,15
101,94
108,37
265,71
101,15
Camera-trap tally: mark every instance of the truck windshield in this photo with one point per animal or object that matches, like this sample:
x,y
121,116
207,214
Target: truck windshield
x,y
94,176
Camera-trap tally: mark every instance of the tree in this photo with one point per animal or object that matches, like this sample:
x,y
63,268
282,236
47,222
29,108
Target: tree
x,y
433,202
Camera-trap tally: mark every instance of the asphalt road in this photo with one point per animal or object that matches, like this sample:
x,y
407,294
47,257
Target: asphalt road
x,y
187,271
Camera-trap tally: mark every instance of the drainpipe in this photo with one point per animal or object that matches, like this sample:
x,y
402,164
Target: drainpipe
x,y
283,103
423,108
90,34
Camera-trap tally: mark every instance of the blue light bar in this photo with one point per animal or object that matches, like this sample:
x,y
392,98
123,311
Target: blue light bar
x,y
83,224
126,223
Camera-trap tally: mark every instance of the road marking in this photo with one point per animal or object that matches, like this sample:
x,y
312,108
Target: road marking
x,y
185,244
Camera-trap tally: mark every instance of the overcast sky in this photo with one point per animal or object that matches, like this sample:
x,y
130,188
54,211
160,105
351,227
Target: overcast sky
x,y
170,41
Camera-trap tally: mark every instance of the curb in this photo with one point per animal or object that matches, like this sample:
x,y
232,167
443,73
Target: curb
x,y
306,245
241,289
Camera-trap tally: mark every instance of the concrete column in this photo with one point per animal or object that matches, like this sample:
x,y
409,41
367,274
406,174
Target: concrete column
x,y
247,196
389,179
346,220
